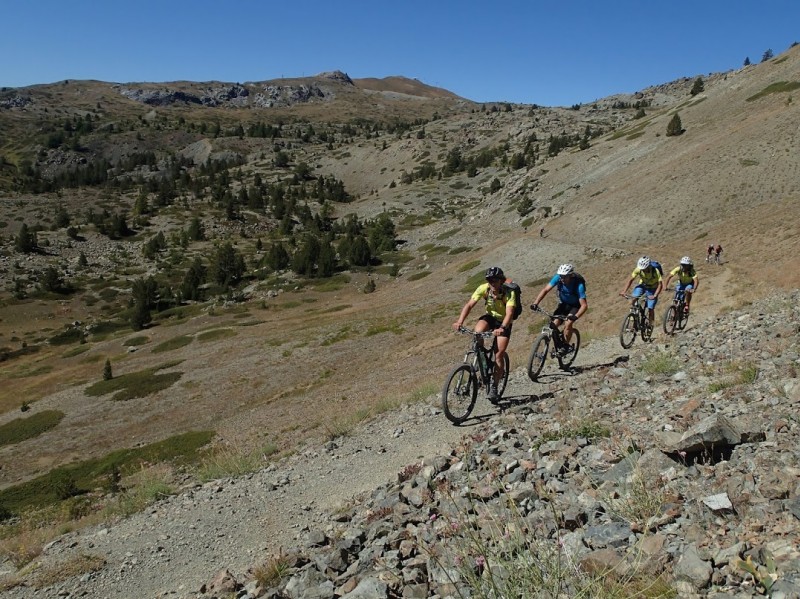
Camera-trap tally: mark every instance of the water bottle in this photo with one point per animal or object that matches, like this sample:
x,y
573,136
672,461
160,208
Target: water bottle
x,y
482,359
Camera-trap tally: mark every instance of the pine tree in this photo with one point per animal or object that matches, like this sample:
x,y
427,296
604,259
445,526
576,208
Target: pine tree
x,y
698,86
25,241
674,127
107,374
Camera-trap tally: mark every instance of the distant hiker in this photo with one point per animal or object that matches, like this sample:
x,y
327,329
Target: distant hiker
x,y
718,254
709,252
541,232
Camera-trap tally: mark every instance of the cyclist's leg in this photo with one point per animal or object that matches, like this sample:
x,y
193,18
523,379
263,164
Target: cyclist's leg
x,y
483,324
499,364
687,293
566,311
637,292
651,305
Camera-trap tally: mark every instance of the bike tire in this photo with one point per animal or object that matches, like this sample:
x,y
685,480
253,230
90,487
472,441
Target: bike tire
x,y
671,319
566,361
459,393
627,332
501,386
647,330
538,356
683,318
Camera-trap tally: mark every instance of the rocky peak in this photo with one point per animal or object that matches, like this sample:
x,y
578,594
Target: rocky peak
x,y
336,76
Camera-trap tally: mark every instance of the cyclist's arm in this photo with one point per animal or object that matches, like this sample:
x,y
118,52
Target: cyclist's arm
x,y
695,283
545,290
508,318
666,283
584,306
627,286
660,286
464,313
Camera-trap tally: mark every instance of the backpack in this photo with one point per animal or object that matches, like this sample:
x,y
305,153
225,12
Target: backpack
x,y
657,266
516,292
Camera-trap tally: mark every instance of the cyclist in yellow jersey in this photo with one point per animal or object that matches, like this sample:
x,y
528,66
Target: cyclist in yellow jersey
x,y
650,285
499,317
687,280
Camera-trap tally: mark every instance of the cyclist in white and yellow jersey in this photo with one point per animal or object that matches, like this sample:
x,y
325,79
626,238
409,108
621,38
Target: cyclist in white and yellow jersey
x,y
687,280
499,317
650,285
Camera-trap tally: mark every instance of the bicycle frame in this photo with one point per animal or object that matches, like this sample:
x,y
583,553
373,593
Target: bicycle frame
x,y
640,321
484,367
477,370
541,347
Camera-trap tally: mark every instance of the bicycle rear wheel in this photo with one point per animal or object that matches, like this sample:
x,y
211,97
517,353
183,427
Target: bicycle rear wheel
x,y
501,386
575,343
683,318
459,393
646,330
538,355
671,319
627,333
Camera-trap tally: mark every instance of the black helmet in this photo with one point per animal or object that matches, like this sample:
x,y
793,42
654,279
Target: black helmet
x,y
494,272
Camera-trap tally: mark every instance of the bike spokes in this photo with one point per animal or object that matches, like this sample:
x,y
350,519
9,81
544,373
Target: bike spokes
x,y
538,356
627,333
459,393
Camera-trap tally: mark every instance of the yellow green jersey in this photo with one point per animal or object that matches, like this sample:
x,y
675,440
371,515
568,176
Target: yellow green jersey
x,y
495,305
650,280
684,276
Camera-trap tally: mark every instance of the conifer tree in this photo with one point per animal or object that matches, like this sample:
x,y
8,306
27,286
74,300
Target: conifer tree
x,y
674,127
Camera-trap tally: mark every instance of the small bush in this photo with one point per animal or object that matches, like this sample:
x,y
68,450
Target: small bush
x,y
70,335
135,384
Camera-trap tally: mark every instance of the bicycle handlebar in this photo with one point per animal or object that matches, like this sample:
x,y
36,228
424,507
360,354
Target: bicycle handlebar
x,y
484,335
545,312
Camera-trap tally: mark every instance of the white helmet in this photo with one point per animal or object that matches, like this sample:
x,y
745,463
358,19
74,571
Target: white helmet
x,y
565,269
686,260
643,262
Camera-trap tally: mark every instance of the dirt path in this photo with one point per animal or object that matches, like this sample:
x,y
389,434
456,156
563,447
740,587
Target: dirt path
x,y
178,544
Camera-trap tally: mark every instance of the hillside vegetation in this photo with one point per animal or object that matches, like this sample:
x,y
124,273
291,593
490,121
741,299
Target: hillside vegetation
x,y
266,263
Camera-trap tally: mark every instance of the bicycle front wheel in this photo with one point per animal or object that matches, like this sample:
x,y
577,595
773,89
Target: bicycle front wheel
x,y
459,393
501,385
574,344
627,333
671,318
538,355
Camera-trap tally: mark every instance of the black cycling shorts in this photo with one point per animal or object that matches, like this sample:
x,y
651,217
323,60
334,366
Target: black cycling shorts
x,y
496,324
566,309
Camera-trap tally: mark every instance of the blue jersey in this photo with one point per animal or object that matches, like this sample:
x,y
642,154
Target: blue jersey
x,y
572,292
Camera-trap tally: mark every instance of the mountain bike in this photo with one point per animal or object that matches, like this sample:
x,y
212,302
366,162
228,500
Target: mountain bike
x,y
562,351
635,322
676,316
461,387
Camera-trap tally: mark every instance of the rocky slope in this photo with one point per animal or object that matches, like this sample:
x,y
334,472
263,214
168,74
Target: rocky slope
x,y
670,469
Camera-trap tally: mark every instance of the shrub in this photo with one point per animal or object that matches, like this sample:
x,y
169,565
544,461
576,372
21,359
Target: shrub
x,y
674,127
21,429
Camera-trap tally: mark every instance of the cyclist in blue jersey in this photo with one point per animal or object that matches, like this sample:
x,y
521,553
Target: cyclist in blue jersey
x,y
571,297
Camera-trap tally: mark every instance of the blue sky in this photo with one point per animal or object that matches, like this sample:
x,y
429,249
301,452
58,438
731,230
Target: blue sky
x,y
554,53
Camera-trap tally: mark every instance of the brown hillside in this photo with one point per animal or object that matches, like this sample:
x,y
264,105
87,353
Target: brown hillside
x,y
315,357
